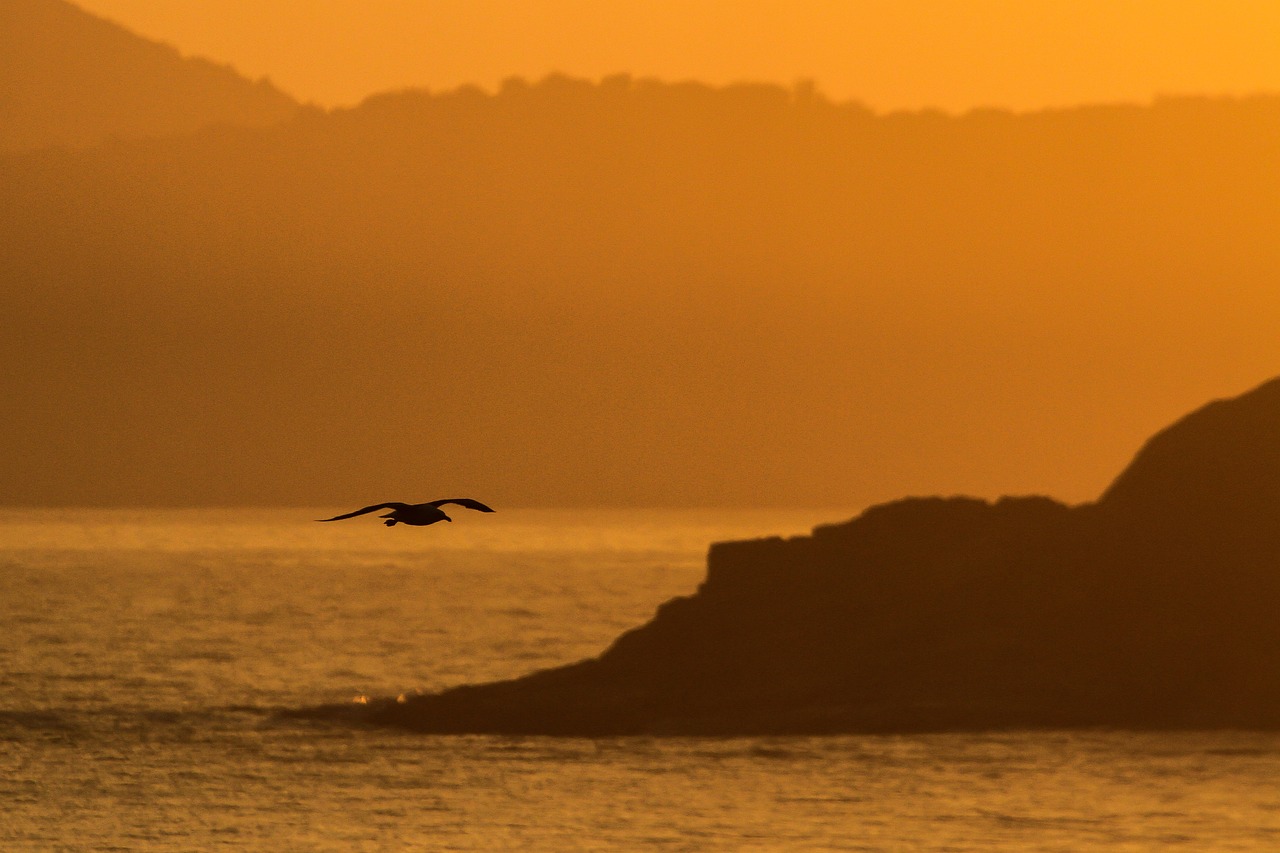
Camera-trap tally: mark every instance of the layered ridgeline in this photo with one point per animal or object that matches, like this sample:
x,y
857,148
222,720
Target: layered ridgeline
x,y
629,293
1155,606
68,78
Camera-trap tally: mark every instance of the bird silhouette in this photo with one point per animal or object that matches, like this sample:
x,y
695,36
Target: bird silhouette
x,y
419,515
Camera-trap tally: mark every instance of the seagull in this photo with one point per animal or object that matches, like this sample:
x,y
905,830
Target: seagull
x,y
419,515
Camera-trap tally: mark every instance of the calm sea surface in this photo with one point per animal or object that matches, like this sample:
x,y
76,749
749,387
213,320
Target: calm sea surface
x,y
143,653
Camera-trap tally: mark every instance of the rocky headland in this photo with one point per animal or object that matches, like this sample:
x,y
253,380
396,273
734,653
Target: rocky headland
x,y
1158,605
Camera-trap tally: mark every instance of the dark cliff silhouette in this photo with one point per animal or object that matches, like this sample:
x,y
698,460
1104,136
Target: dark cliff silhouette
x,y
69,78
1153,607
698,290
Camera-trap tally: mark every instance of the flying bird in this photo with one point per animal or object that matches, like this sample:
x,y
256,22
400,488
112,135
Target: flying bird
x,y
419,515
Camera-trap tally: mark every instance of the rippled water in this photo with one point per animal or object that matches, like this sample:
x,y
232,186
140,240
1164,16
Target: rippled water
x,y
143,653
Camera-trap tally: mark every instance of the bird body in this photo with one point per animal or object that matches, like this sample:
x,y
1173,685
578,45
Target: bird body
x,y
418,515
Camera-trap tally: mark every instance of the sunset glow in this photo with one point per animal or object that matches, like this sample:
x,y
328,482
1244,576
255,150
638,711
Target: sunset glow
x,y
782,425
889,54
625,289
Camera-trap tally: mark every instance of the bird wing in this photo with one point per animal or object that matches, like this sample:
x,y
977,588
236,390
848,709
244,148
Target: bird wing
x,y
467,502
366,509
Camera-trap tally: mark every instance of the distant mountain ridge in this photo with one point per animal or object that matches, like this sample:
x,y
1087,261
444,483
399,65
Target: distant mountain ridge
x,y
69,78
941,614
629,292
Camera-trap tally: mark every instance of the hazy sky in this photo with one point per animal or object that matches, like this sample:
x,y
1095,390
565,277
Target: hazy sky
x,y
887,53
662,294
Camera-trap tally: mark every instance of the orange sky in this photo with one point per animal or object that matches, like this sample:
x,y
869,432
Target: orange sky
x,y
887,53
876,307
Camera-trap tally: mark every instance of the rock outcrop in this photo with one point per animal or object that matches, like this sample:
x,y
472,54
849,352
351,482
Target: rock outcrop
x,y
1156,606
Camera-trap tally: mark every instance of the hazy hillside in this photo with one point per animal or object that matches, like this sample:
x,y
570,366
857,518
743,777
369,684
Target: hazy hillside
x,y
70,78
631,293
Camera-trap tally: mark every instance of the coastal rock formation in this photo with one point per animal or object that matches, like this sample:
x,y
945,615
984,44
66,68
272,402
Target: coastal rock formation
x,y
1156,606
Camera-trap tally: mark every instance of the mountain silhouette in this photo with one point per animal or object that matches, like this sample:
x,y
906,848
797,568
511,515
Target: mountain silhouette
x,y
1152,607
69,78
693,290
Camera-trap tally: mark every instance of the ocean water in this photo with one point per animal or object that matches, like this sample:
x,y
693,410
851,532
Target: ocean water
x,y
143,655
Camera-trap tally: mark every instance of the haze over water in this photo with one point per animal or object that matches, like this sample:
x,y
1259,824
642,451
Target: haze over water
x,y
145,651
615,291
639,282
